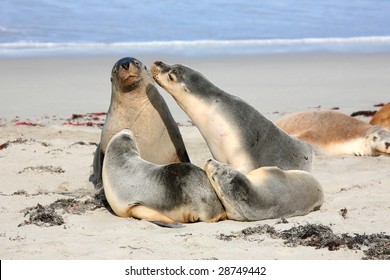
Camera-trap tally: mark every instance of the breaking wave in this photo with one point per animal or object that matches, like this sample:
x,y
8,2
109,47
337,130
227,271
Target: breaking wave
x,y
196,46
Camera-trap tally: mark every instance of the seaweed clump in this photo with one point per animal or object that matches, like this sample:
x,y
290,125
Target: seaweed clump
x,y
51,215
374,246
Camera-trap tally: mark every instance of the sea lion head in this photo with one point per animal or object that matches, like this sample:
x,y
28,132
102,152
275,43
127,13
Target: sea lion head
x,y
179,79
127,74
378,138
231,187
382,117
123,144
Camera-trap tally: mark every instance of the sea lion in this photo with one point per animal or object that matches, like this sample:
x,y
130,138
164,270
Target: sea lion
x,y
382,117
173,193
335,133
264,193
235,132
136,104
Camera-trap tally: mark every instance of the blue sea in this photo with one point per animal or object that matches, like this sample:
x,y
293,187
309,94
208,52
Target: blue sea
x,y
195,27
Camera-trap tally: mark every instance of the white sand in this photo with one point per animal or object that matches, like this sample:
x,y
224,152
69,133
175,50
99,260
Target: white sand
x,y
33,88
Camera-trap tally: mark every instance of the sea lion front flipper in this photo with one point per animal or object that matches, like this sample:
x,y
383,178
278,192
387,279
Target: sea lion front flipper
x,y
96,177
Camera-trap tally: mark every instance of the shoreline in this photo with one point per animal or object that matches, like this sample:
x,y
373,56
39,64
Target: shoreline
x,y
200,47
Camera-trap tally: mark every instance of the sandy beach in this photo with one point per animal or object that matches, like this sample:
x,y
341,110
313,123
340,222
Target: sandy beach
x,y
48,135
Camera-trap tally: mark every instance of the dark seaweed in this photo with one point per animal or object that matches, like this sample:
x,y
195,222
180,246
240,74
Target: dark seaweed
x,y
375,246
363,113
51,215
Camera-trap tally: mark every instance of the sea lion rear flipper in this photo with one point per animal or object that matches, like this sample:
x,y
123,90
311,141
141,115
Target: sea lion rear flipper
x,y
145,213
161,224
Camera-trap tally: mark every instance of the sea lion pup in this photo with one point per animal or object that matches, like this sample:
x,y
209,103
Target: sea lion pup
x,y
173,193
382,117
264,193
235,132
335,133
136,104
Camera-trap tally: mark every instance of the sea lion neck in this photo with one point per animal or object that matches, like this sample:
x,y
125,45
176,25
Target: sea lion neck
x,y
130,100
132,91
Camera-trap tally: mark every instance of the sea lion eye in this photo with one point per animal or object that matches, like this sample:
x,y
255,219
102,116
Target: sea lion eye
x,y
171,76
136,63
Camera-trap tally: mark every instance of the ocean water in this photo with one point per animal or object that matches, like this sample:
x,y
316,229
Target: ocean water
x,y
201,27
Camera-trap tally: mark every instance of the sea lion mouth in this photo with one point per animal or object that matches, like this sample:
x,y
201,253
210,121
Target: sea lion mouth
x,y
156,71
128,87
132,78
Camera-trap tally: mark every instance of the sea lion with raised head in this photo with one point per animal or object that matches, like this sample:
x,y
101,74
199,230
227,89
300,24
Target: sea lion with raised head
x,y
136,104
235,132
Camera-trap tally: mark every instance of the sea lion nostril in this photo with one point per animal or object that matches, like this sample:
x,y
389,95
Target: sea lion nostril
x,y
387,144
158,63
126,65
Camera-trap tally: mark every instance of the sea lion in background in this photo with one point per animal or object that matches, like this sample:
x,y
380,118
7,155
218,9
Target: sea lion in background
x,y
264,193
173,193
136,104
382,117
335,133
235,132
